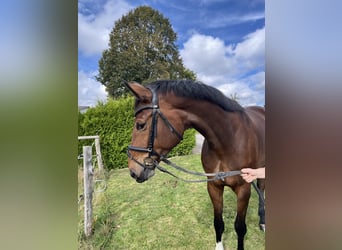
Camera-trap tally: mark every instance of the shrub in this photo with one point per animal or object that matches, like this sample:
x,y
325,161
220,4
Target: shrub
x,y
113,122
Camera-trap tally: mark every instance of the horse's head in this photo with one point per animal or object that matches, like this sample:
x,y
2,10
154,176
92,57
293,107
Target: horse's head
x,y
157,129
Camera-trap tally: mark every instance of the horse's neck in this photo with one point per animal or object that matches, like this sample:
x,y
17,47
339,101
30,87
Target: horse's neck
x,y
215,124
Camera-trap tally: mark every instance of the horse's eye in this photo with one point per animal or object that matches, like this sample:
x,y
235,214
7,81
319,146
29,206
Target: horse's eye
x,y
140,126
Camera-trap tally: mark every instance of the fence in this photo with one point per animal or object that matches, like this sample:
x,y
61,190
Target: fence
x,y
97,147
88,180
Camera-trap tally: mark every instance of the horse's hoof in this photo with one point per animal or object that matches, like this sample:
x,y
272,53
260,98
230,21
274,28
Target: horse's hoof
x,y
262,227
219,246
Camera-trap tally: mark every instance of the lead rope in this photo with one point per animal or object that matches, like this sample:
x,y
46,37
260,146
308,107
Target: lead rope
x,y
217,176
261,196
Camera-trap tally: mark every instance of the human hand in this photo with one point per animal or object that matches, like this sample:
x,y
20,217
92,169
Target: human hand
x,y
249,174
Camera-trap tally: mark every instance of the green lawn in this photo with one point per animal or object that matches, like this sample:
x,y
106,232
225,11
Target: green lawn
x,y
163,213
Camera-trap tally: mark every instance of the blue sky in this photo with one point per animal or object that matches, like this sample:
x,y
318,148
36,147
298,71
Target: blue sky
x,y
222,41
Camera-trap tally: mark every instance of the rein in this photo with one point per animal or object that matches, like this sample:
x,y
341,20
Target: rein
x,y
216,176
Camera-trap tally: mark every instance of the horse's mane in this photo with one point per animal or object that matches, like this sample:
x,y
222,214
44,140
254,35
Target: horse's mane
x,y
197,91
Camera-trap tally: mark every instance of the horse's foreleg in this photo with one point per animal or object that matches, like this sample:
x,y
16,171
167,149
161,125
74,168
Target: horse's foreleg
x,y
243,194
216,196
261,210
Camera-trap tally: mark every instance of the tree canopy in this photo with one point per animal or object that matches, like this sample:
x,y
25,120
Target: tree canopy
x,y
141,48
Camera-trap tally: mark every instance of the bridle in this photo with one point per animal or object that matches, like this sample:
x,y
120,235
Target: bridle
x,y
150,162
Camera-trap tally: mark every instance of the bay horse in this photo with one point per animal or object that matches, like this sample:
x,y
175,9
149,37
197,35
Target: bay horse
x,y
234,139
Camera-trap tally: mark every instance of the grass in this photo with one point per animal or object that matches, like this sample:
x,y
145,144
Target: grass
x,y
163,213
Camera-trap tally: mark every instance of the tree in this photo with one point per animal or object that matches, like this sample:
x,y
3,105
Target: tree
x,y
234,97
141,48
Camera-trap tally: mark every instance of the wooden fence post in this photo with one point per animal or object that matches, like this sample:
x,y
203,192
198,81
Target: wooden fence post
x,y
97,147
88,189
98,154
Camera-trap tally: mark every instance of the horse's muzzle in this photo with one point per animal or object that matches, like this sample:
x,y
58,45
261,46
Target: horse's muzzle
x,y
143,176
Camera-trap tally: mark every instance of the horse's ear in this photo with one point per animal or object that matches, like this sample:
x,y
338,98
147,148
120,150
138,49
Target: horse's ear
x,y
139,91
128,86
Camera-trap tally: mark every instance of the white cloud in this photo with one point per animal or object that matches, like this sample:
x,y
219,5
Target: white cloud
x,y
89,90
233,68
93,30
228,20
251,51
94,26
206,55
249,90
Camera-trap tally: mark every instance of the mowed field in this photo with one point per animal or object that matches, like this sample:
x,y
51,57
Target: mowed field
x,y
163,213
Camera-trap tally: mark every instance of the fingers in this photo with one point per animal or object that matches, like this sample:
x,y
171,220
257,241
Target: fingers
x,y
248,178
248,174
247,170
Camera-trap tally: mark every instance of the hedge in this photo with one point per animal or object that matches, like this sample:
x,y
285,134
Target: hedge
x,y
113,122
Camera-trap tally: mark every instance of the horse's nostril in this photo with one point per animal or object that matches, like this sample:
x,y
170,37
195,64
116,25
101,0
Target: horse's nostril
x,y
133,175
